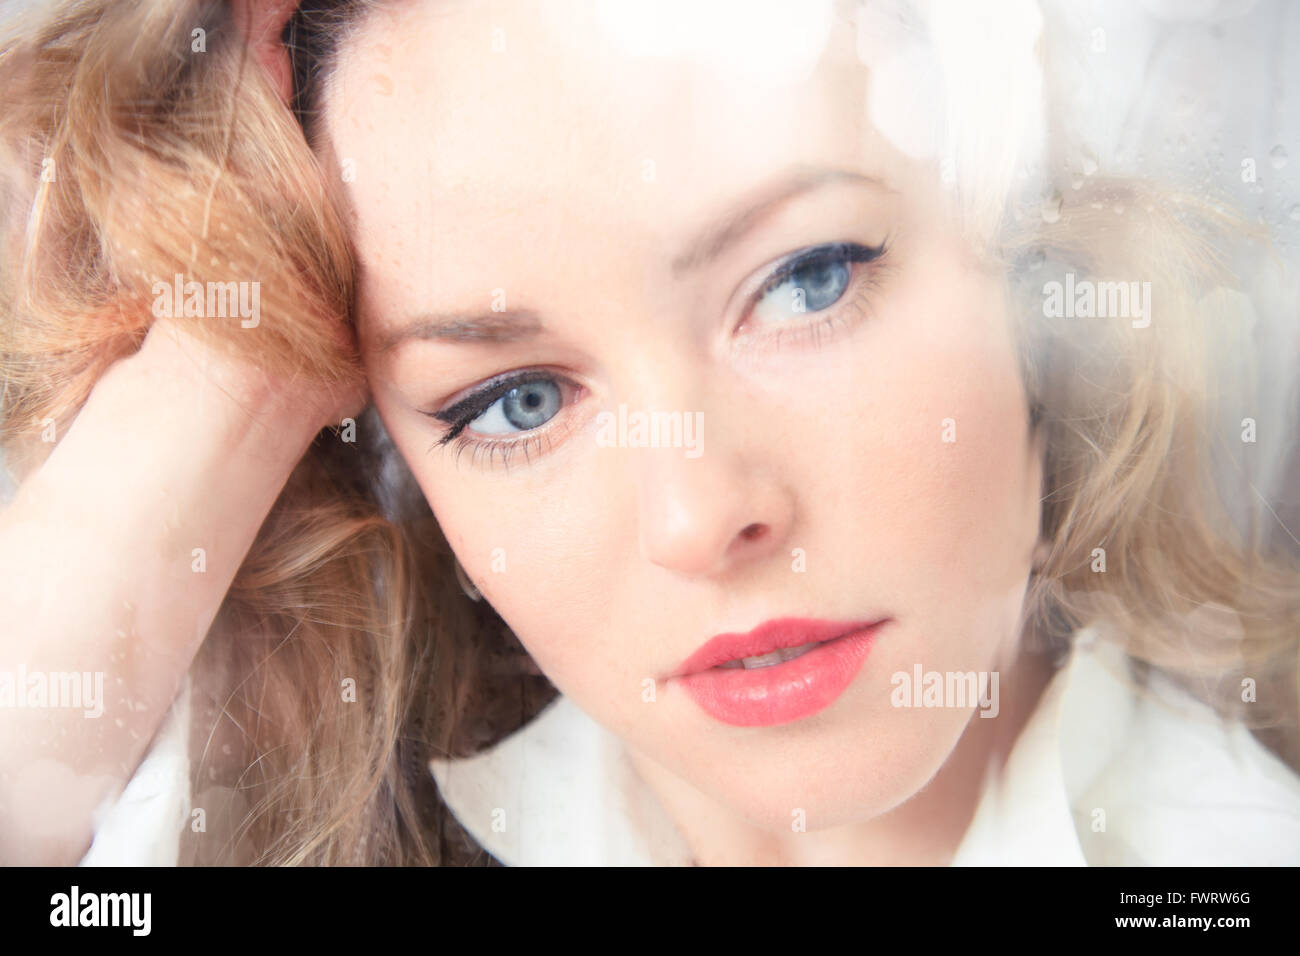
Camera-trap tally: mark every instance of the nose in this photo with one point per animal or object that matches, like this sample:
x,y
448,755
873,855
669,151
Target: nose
x,y
709,514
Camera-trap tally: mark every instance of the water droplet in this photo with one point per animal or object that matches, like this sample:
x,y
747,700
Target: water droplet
x,y
1089,164
1036,260
1076,182
1052,208
1119,209
1278,157
1295,213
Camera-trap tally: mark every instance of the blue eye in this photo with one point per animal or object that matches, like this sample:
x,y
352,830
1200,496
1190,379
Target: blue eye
x,y
508,404
524,407
810,282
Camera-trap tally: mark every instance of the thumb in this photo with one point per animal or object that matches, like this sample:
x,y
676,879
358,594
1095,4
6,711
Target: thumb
x,y
261,22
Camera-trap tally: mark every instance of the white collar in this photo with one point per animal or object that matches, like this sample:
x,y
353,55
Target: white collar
x,y
561,791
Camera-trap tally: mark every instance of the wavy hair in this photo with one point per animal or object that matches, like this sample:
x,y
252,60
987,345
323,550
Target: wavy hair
x,y
167,160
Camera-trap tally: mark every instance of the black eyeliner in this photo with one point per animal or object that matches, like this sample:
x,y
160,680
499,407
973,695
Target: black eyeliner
x,y
833,252
465,411
459,415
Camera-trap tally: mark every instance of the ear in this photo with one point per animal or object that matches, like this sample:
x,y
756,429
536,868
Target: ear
x,y
261,22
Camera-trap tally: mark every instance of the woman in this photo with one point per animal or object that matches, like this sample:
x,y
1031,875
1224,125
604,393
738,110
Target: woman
x,y
742,388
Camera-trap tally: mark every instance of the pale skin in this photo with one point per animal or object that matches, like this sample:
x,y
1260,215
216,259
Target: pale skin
x,y
620,562
178,447
524,175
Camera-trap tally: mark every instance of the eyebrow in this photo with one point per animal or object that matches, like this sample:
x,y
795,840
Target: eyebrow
x,y
489,327
502,327
742,220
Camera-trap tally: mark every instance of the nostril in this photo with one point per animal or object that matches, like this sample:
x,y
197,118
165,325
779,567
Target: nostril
x,y
753,532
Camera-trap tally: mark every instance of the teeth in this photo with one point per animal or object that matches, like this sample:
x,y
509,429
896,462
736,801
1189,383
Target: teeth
x,y
790,653
768,660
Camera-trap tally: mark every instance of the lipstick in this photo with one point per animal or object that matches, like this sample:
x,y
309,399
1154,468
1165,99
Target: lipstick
x,y
782,671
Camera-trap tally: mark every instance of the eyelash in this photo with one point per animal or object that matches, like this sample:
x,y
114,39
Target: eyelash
x,y
847,311
538,440
459,415
471,407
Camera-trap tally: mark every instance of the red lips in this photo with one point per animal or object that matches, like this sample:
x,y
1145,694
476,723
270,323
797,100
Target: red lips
x,y
767,637
779,692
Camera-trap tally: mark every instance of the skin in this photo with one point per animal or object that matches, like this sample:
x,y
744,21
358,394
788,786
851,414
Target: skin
x,y
524,171
179,446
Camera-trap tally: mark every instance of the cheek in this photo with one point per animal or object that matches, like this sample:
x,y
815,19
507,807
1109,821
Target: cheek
x,y
533,545
962,470
930,484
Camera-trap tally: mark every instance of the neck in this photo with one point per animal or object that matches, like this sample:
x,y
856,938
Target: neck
x,y
925,830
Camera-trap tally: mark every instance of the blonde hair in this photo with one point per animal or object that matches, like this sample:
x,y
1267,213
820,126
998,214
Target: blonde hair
x,y
168,161
1142,546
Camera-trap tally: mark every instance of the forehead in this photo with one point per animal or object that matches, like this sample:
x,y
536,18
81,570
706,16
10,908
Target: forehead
x,y
475,126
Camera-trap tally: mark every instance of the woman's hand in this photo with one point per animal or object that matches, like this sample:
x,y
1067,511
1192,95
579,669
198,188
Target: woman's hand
x,y
115,556
261,22
170,348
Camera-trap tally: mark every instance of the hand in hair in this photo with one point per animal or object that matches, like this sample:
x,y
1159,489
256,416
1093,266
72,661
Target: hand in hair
x,y
115,556
261,22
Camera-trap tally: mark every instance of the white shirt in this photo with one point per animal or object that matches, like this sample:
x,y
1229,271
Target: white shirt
x,y
143,826
1100,775
1172,787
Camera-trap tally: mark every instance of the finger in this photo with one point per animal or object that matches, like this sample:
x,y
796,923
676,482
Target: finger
x,y
261,22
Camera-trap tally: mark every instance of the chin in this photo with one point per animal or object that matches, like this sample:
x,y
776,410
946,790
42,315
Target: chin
x,y
829,790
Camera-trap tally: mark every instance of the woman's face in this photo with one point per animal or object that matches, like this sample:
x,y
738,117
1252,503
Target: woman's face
x,y
646,234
